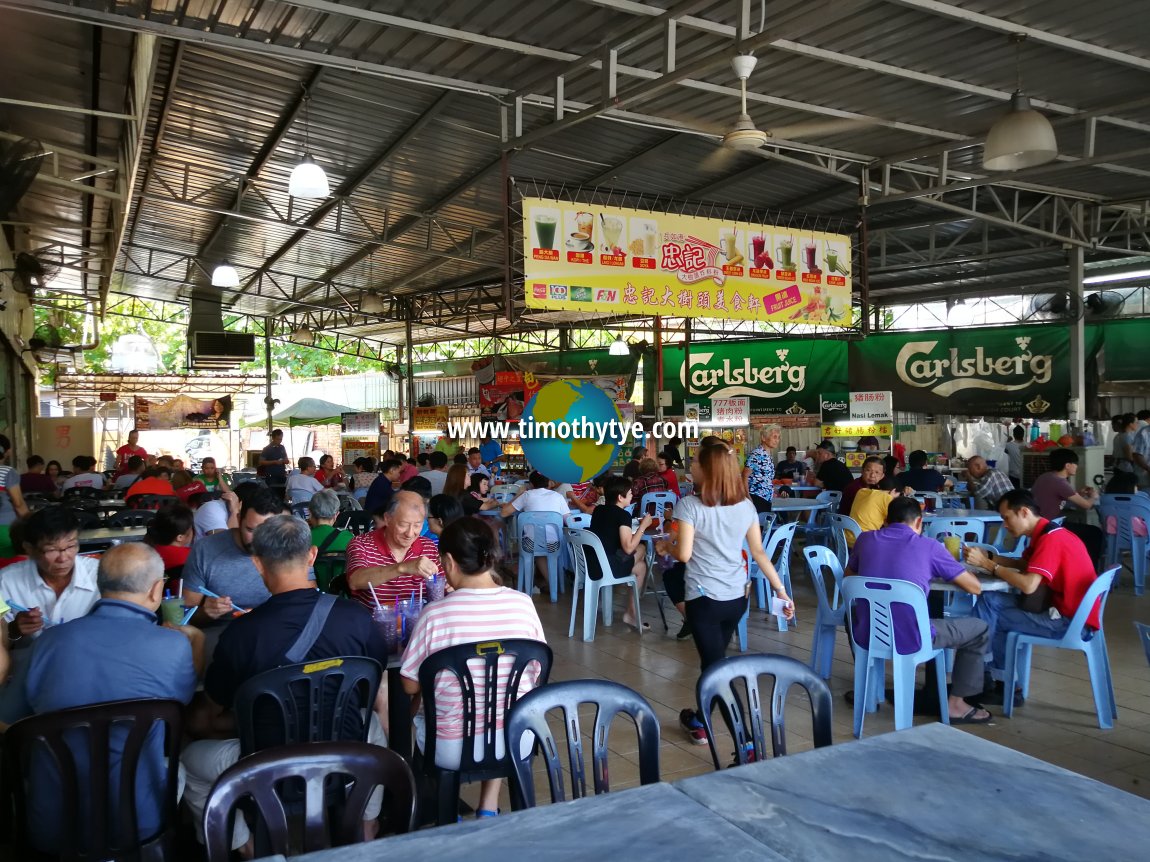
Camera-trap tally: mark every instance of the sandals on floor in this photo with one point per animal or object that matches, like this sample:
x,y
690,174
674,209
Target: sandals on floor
x,y
969,718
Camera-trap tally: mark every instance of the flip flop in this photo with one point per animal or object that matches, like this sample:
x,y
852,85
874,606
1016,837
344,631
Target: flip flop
x,y
969,718
646,626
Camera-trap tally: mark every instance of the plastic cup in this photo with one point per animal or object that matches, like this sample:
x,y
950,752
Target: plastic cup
x,y
436,588
172,610
385,618
953,545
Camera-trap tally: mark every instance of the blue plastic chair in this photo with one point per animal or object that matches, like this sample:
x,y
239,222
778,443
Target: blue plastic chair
x,y
881,595
967,529
582,543
1144,636
767,523
1124,507
778,549
660,500
816,528
579,520
831,613
840,526
1019,647
532,531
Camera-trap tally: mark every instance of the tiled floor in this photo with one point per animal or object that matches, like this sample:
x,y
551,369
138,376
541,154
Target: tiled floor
x,y
1056,724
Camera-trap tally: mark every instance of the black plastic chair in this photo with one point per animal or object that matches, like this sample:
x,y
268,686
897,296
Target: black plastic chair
x,y
126,518
152,501
529,715
93,823
358,522
325,701
337,586
453,660
82,493
88,520
338,775
329,566
717,683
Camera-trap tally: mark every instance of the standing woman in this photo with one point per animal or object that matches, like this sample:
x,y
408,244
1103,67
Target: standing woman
x,y
11,497
760,470
709,539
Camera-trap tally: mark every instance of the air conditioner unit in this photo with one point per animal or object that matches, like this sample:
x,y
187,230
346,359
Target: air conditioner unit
x,y
217,350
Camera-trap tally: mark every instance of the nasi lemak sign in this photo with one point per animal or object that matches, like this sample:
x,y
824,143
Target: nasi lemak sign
x,y
779,377
1015,371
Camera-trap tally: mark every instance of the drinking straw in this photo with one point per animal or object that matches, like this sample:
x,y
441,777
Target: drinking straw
x,y
374,597
188,616
20,609
205,591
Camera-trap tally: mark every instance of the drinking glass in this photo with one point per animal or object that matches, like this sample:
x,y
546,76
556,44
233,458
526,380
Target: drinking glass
x,y
436,588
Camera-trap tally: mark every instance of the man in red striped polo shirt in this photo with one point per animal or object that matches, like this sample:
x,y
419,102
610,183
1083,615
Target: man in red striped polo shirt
x,y
394,559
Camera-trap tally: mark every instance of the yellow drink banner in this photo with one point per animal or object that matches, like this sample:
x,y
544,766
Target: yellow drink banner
x,y
612,260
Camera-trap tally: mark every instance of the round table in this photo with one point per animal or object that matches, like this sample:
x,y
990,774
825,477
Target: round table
x,y
798,505
969,514
105,536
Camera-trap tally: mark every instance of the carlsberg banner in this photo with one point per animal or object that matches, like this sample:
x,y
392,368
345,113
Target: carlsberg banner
x,y
779,377
1016,371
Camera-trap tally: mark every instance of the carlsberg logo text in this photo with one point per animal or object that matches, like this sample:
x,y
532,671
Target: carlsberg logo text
x,y
742,379
949,374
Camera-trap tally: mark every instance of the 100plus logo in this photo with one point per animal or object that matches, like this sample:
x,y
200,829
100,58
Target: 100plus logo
x,y
733,379
918,365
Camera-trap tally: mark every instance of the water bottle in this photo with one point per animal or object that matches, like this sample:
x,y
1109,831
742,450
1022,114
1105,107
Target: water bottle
x,y
1034,430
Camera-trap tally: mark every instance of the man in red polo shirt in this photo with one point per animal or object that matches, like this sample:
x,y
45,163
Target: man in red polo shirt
x,y
1055,563
132,447
395,559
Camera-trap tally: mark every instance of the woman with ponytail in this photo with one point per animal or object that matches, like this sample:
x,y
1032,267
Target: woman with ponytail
x,y
479,608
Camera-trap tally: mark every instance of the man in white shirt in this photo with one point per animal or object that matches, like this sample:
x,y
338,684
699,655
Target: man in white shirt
x,y
54,585
84,474
539,498
437,475
475,464
302,486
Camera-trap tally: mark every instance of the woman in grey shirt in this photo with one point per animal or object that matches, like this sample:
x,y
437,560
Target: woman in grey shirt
x,y
711,528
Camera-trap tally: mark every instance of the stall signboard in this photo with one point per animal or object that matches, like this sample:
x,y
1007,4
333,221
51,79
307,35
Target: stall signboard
x,y
780,378
1015,371
615,260
871,406
183,411
859,429
835,407
360,424
697,412
430,418
731,411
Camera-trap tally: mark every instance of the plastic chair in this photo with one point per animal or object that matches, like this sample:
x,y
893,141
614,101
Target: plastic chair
x,y
581,543
1019,647
660,500
151,501
359,522
327,567
1144,636
88,493
766,523
532,532
88,520
579,520
883,645
454,660
1123,508
331,811
130,518
746,718
831,614
610,699
313,702
301,510
96,816
840,526
967,529
505,494
778,548
816,528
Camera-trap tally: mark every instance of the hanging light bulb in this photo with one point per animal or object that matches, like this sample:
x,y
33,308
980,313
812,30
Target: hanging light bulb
x,y
619,347
308,181
225,275
959,314
1022,137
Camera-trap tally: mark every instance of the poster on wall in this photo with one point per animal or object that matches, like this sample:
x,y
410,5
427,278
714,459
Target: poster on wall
x,y
430,418
615,260
1015,371
504,398
183,411
780,378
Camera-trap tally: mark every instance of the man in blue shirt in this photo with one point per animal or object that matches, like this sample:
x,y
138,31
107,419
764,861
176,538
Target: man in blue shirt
x,y
491,452
899,551
922,478
116,652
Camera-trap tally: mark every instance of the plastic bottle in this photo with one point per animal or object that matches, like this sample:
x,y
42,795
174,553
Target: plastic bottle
x,y
1034,430
1088,438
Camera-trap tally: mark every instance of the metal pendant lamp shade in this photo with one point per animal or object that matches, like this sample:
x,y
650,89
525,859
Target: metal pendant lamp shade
x,y
225,275
1021,138
308,181
619,347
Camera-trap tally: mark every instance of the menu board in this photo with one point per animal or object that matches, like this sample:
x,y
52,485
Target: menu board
x,y
616,260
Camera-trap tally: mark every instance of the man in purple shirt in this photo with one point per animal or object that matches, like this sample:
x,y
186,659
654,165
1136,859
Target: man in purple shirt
x,y
899,551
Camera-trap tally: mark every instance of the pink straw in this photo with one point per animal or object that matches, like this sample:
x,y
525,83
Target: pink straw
x,y
374,597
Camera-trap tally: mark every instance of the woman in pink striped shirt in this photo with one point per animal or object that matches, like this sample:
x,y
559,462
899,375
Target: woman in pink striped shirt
x,y
478,609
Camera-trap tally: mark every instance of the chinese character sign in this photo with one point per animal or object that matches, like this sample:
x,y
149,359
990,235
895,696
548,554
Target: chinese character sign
x,y
617,260
731,411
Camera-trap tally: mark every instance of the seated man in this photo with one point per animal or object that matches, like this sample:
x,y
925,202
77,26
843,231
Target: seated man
x,y
132,472
539,498
987,483
828,471
899,551
924,479
1055,572
302,486
1053,489
154,480
54,584
872,473
393,560
475,463
36,481
791,467
222,564
84,474
116,652
480,608
383,486
871,505
273,635
650,481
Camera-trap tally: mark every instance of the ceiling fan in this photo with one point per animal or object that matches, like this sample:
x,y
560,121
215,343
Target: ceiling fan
x,y
745,136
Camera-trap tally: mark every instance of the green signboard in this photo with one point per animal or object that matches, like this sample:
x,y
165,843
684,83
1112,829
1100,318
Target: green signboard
x,y
1008,371
1124,356
780,377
